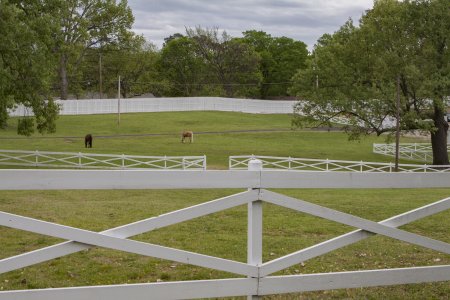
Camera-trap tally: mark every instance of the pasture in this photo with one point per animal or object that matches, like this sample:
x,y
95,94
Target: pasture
x,y
217,135
221,234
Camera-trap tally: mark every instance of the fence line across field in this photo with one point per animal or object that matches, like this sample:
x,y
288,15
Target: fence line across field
x,y
134,105
412,151
98,161
259,279
239,162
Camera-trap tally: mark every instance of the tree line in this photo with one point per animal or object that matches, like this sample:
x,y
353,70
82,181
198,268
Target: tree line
x,y
78,48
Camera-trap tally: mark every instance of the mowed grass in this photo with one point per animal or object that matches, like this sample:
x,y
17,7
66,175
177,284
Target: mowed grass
x,y
214,136
221,234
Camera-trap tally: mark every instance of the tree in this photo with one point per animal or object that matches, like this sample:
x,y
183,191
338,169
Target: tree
x,y
181,67
231,63
83,25
135,62
281,58
353,73
25,67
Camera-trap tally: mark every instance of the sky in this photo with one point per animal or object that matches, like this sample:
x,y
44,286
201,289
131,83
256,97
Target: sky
x,y
303,20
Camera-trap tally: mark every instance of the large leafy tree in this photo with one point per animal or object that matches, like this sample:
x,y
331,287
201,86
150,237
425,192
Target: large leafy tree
x,y
181,67
281,58
25,67
134,61
354,72
83,25
230,62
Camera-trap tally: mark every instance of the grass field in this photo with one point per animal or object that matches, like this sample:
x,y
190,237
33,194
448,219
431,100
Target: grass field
x,y
222,234
159,134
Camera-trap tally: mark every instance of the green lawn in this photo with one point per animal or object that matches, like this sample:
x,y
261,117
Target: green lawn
x,y
221,234
159,134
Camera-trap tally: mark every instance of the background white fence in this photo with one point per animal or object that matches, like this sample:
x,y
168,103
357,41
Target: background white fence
x,y
257,281
131,105
98,161
240,162
413,151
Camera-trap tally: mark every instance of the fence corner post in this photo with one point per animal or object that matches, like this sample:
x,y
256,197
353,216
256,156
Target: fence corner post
x,y
254,230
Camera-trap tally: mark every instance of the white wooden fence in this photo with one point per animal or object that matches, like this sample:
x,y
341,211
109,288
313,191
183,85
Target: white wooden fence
x,y
132,105
239,162
258,281
412,151
98,161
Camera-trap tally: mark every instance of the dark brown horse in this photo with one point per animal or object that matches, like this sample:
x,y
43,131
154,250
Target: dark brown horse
x,y
88,141
187,135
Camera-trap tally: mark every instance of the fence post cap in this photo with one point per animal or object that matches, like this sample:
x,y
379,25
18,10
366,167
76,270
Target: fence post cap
x,y
255,165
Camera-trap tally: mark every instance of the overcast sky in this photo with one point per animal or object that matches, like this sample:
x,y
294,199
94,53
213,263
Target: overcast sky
x,y
304,20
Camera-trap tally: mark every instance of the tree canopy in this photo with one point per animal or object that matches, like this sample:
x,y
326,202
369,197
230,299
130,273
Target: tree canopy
x,y
353,73
26,67
281,58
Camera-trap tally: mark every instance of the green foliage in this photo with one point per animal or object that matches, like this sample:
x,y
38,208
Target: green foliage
x,y
228,62
25,126
209,63
352,74
25,63
184,71
281,58
83,25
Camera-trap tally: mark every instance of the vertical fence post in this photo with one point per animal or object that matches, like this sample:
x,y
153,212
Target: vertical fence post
x,y
254,231
37,158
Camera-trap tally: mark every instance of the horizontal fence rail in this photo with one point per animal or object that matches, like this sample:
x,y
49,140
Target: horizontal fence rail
x,y
212,179
412,151
240,162
98,161
255,180
135,105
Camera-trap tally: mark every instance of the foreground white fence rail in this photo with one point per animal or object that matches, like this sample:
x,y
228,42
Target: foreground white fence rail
x,y
256,180
240,162
413,151
132,105
98,161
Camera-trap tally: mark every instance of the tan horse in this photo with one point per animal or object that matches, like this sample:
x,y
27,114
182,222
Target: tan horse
x,y
187,135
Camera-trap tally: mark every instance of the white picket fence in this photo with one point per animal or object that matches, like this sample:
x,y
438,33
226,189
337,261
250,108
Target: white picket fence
x,y
412,151
98,161
239,162
133,105
258,281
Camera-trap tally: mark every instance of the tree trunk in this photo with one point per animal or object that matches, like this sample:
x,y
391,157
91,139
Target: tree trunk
x,y
63,76
439,138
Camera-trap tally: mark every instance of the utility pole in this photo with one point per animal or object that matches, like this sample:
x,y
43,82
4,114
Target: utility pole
x,y
397,129
118,102
100,74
